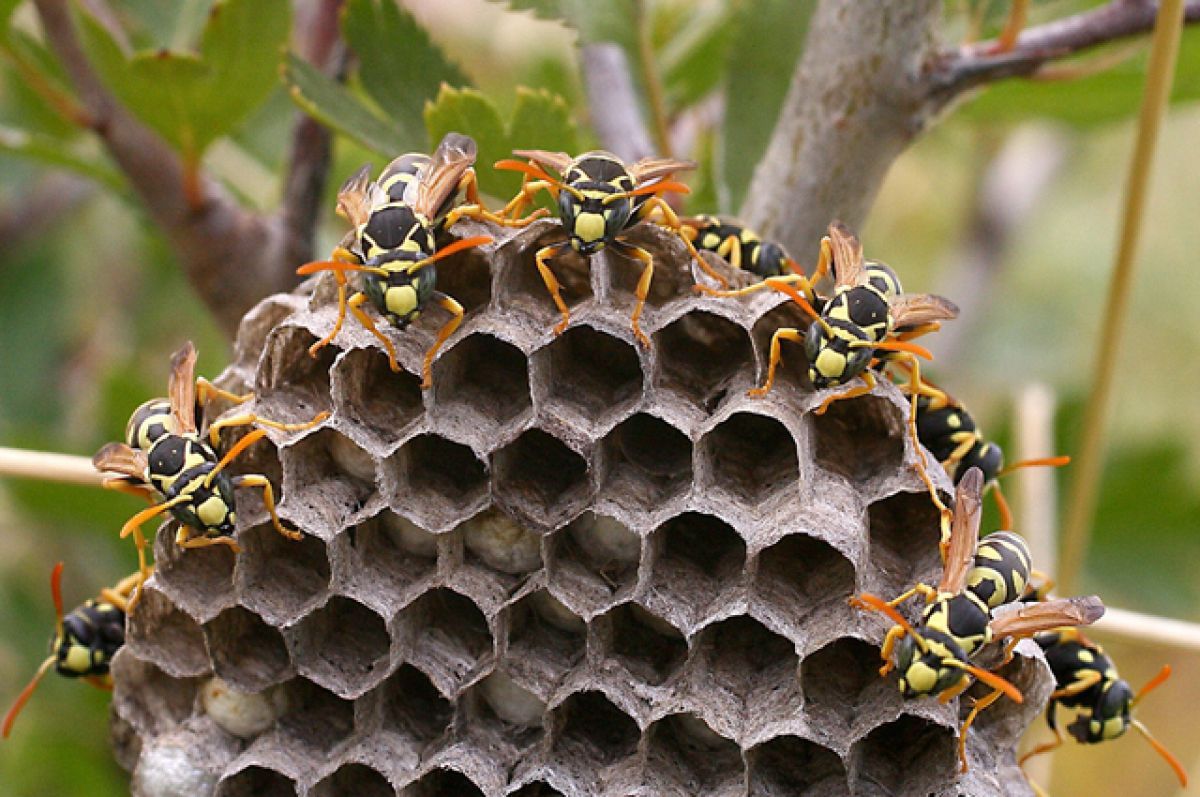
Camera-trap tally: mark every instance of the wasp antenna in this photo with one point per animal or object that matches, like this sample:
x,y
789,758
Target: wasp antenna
x,y
56,596
989,678
875,603
537,173
334,265
23,698
800,299
1153,683
455,248
1162,751
1047,462
897,345
659,187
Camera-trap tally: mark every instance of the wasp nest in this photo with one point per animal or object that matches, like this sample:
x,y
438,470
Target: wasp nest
x,y
574,566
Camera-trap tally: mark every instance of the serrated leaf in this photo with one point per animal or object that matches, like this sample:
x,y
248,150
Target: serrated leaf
x,y
540,121
193,98
1105,97
56,152
333,105
768,37
401,68
596,20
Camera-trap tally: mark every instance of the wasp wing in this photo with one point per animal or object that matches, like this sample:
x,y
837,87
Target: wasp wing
x,y
559,161
915,309
1031,618
181,389
354,201
848,269
648,170
440,179
964,532
120,458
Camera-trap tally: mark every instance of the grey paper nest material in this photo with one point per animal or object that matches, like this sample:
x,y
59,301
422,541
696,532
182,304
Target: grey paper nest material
x,y
572,567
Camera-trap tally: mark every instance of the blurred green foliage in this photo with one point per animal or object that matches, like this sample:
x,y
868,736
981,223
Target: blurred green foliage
x,y
93,301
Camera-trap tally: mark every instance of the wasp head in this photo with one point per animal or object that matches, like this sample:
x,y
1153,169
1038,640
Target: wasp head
x,y
837,351
930,669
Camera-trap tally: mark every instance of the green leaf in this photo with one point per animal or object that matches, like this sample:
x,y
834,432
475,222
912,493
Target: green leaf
x,y
401,69
540,121
768,37
193,98
333,105
56,152
693,61
7,7
596,20
1109,96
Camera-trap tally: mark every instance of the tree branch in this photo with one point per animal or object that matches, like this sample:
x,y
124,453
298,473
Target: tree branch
x,y
613,101
959,70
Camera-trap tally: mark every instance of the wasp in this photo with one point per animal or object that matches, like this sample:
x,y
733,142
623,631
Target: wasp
x,y
393,244
599,198
84,641
1087,683
934,656
165,460
740,246
947,430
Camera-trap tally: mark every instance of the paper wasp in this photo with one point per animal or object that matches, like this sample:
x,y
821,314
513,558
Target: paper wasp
x,y
933,657
166,460
397,220
599,198
84,641
740,246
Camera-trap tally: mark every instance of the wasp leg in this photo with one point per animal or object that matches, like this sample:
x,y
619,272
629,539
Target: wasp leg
x,y
256,480
475,209
1081,684
185,540
206,391
456,317
731,251
355,305
524,198
949,694
643,290
786,333
1045,747
980,705
922,464
250,418
757,286
134,526
866,387
340,255
894,635
544,254
672,222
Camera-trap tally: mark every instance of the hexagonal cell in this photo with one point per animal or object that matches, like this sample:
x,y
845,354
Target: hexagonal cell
x,y
904,533
545,640
752,458
413,708
590,373
278,578
317,721
246,652
436,480
859,438
501,544
749,661
699,559
670,282
256,781
799,574
792,370
699,354
516,708
148,698
910,755
343,646
466,277
537,477
387,560
795,766
160,633
699,760
538,788
353,779
325,476
838,680
521,285
291,386
595,559
650,648
261,458
375,398
485,378
592,730
442,783
647,462
199,581
445,634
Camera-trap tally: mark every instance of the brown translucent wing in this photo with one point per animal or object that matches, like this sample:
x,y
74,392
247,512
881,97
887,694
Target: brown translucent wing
x,y
964,532
650,169
120,458
848,270
1032,618
354,198
914,309
182,388
441,178
559,161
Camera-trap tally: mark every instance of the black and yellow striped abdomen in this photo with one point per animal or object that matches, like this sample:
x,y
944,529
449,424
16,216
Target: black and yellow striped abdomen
x,y
1002,567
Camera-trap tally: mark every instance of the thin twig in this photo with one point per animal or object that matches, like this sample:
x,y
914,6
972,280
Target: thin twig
x,y
615,112
652,80
1148,628
66,468
1089,462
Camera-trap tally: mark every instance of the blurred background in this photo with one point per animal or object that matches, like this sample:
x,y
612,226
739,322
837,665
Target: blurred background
x,y
1010,205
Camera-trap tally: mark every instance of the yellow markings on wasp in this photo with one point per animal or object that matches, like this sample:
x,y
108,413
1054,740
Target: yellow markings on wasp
x,y
830,363
589,226
79,659
401,300
213,511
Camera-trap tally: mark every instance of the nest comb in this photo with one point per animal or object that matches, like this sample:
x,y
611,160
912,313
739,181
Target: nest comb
x,y
574,566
